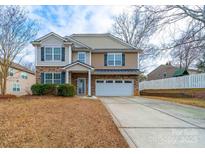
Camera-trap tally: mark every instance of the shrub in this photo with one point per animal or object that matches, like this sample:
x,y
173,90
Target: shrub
x,y
49,89
44,89
53,89
66,90
37,89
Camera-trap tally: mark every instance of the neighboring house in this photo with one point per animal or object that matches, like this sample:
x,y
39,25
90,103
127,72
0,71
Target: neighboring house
x,y
20,79
97,64
168,71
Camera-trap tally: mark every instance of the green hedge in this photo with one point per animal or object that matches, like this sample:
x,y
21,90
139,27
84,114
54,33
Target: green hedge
x,y
66,90
53,89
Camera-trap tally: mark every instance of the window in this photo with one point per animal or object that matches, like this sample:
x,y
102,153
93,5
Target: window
x,y
48,78
24,75
52,78
114,59
57,78
52,54
128,81
118,81
11,72
109,81
57,54
165,75
100,81
82,57
118,59
16,87
48,54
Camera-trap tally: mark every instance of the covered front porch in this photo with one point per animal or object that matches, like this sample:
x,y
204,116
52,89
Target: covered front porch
x,y
79,74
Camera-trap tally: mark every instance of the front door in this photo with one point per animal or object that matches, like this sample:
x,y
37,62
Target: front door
x,y
81,86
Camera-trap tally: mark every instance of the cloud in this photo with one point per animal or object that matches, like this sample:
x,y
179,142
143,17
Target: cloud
x,y
66,20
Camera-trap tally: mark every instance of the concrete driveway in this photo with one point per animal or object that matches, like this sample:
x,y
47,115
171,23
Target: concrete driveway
x,y
155,123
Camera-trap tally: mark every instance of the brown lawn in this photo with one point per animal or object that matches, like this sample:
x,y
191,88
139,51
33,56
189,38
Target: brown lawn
x,y
188,101
57,122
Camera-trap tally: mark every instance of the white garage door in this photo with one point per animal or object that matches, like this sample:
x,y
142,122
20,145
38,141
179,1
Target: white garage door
x,y
114,88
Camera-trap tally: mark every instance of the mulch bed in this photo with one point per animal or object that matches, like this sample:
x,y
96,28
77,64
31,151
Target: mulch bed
x,y
57,122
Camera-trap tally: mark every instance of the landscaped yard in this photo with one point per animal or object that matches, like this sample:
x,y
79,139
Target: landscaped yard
x,y
57,122
187,101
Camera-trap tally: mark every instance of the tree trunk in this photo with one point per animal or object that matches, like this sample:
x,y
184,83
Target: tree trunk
x,y
4,86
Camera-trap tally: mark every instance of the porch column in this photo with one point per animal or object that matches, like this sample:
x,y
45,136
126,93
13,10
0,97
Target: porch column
x,y
67,77
89,83
69,54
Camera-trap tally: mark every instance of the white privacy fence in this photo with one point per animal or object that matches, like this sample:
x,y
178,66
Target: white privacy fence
x,y
189,81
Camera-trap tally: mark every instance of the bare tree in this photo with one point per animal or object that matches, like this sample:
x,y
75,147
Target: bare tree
x,y
16,31
201,64
186,54
29,65
192,16
188,42
137,29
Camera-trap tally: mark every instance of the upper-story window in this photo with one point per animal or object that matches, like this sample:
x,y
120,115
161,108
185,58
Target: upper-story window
x,y
11,72
24,75
82,57
114,59
52,53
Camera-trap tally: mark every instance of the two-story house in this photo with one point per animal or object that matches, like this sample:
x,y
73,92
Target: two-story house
x,y
19,80
97,64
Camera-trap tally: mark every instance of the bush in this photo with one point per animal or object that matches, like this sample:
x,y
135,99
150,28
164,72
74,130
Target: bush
x,y
44,89
37,89
66,90
49,89
53,89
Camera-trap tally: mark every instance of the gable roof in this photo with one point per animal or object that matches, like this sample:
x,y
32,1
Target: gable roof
x,y
77,43
22,68
105,41
102,41
48,35
19,67
78,63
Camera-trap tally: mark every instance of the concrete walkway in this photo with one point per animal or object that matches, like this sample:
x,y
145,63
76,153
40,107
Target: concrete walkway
x,y
155,123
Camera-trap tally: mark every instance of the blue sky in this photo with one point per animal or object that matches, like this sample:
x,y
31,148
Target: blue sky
x,y
66,20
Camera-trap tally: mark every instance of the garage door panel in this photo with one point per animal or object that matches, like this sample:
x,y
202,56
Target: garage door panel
x,y
114,88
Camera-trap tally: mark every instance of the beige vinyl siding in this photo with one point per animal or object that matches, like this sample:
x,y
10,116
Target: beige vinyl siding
x,y
131,61
75,56
52,41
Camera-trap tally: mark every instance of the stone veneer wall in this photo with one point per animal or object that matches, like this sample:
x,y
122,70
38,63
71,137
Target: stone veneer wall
x,y
74,77
43,69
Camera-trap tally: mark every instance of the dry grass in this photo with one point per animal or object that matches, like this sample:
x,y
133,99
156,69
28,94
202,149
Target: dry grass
x,y
187,101
57,122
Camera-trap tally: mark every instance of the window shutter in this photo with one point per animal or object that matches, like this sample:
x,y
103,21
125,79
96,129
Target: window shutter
x,y
42,78
123,59
62,77
42,53
63,54
105,59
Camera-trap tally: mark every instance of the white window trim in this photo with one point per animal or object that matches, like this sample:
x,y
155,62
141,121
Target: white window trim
x,y
52,76
16,87
52,52
24,74
114,59
84,55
